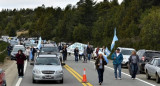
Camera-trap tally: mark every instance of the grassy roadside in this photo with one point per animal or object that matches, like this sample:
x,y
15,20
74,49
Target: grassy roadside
x,y
3,54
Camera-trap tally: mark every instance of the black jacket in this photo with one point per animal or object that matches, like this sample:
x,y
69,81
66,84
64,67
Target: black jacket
x,y
98,61
64,51
89,50
76,52
34,51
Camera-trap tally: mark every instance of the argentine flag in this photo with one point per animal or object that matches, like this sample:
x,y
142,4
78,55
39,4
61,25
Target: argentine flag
x,y
114,39
107,52
39,43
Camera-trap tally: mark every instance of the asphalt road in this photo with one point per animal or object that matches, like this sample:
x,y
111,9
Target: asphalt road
x,y
73,74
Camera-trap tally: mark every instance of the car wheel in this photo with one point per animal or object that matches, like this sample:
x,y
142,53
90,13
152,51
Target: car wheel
x,y
33,81
61,81
147,75
157,78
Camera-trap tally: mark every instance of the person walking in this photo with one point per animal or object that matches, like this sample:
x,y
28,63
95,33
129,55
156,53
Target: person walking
x,y
100,62
76,52
27,53
64,52
9,49
20,57
103,49
133,65
89,51
117,58
33,51
85,55
97,50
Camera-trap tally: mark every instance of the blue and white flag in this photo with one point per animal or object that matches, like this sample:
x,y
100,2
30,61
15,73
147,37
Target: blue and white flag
x,y
39,43
32,41
104,56
114,39
107,52
30,56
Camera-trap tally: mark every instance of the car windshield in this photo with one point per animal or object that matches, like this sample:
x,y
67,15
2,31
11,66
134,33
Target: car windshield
x,y
151,54
49,49
47,61
16,49
31,45
126,52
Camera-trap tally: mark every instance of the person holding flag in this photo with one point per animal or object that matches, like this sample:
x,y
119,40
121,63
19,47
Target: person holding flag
x,y
32,52
117,58
100,62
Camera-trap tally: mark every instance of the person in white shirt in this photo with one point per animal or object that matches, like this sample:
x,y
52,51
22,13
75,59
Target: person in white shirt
x,y
27,53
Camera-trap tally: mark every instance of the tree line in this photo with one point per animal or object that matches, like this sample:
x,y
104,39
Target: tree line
x,y
137,23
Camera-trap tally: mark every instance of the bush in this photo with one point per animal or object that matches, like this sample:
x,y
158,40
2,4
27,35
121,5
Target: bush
x,y
3,56
3,46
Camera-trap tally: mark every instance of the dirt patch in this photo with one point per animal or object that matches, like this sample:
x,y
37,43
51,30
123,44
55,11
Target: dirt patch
x,y
6,63
22,32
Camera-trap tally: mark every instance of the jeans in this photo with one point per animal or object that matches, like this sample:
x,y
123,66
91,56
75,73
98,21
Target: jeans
x,y
134,70
20,68
9,53
76,58
32,57
117,66
84,57
89,57
64,57
100,75
27,57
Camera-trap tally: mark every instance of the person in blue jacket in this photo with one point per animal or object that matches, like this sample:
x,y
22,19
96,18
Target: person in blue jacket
x,y
117,58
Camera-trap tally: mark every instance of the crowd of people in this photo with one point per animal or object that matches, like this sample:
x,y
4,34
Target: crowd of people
x,y
117,58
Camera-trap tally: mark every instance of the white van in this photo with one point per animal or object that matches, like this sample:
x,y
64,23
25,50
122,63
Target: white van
x,y
126,52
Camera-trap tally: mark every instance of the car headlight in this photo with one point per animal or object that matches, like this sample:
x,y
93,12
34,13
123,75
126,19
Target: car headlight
x,y
36,71
59,71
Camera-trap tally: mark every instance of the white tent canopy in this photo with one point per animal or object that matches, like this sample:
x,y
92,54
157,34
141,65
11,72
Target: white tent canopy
x,y
80,46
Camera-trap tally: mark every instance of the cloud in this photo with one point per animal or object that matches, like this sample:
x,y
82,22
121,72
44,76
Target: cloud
x,y
11,4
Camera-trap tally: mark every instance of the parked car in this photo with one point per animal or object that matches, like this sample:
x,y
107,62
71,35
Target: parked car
x,y
145,56
126,52
2,78
152,69
12,43
50,49
15,51
47,67
30,45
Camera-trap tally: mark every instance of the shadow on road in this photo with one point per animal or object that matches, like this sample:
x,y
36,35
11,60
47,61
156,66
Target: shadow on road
x,y
47,82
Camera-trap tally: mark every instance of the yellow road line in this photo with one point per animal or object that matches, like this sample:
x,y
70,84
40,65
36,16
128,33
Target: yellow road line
x,y
89,84
75,76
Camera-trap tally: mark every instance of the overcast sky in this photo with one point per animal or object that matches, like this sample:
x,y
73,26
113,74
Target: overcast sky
x,y
11,4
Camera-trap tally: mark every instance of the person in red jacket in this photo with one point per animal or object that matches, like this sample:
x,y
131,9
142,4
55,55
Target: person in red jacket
x,y
20,57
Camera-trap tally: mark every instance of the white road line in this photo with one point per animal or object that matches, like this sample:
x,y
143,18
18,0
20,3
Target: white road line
x,y
129,76
20,79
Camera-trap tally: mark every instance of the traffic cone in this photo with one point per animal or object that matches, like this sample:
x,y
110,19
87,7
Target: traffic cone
x,y
84,76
